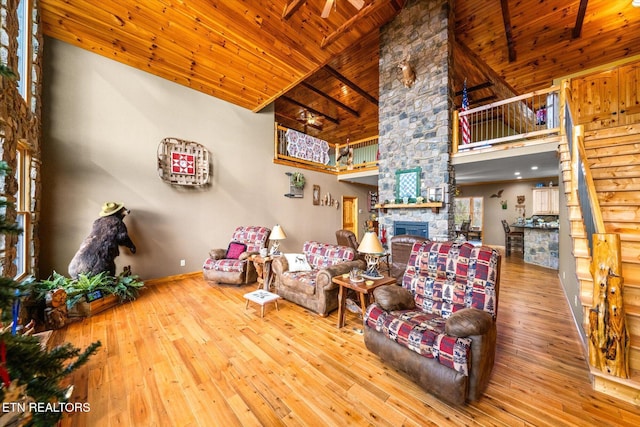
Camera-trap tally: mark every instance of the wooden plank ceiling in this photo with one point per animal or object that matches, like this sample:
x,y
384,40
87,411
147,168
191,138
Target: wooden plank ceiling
x,y
254,52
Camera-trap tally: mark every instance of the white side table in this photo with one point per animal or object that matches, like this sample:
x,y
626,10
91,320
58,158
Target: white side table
x,y
261,297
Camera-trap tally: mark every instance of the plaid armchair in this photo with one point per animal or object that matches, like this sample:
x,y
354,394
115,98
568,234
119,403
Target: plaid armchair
x,y
439,326
232,265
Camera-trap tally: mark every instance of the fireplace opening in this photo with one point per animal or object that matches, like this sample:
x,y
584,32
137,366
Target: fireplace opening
x,y
413,228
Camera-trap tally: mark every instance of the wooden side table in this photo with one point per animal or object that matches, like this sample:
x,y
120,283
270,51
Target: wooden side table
x,y
263,268
364,291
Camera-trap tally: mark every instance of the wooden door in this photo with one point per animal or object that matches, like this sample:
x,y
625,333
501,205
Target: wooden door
x,y
629,84
350,214
596,99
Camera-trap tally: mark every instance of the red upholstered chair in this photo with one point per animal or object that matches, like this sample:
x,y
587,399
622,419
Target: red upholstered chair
x,y
232,265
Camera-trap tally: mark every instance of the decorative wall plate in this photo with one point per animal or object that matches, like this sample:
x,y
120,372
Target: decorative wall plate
x,y
183,162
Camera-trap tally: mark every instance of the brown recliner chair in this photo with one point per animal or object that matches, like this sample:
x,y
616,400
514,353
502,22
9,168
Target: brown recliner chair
x,y
348,238
400,250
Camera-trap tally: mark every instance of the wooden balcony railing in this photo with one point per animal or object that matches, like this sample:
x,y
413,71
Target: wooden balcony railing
x,y
364,155
531,116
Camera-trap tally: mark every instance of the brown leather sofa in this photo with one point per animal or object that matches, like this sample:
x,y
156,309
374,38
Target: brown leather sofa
x,y
400,250
313,287
439,327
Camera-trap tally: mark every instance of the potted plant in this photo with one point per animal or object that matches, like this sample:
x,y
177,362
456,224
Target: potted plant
x,y
297,179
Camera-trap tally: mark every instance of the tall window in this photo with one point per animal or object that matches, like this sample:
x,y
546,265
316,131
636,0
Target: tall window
x,y
24,48
23,208
469,209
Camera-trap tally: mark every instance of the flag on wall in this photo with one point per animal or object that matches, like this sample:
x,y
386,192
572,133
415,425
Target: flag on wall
x,y
464,120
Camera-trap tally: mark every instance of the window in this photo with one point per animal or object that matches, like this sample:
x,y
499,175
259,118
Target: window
x,y
469,209
24,47
23,209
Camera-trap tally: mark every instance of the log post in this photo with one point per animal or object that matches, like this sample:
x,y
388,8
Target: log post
x,y
608,334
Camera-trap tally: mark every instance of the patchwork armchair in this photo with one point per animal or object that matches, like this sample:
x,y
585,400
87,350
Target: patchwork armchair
x,y
439,327
311,285
232,265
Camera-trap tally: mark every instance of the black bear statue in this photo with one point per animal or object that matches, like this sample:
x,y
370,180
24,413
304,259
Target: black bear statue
x,y
99,249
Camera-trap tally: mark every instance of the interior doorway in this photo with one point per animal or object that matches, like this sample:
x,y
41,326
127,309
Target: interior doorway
x,y
350,214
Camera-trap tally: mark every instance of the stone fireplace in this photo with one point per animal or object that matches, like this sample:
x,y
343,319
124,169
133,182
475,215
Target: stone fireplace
x,y
415,123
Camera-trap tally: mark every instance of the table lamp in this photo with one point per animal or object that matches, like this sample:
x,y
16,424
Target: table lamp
x,y
371,247
277,234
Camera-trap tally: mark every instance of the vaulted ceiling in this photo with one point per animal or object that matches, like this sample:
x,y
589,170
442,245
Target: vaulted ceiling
x,y
255,52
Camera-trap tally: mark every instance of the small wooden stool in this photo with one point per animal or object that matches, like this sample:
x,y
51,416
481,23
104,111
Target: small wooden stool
x,y
261,297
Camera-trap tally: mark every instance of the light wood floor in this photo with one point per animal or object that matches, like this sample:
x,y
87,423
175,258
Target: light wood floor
x,y
187,353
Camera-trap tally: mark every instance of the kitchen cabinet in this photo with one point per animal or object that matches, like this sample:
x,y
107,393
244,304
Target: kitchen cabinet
x,y
546,201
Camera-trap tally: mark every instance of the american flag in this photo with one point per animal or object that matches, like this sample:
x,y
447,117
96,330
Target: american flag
x,y
464,120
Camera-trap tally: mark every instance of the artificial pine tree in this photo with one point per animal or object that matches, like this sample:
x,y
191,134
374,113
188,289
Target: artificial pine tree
x,y
30,375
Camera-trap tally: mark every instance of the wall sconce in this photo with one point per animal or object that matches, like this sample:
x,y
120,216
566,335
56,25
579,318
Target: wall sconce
x,y
408,76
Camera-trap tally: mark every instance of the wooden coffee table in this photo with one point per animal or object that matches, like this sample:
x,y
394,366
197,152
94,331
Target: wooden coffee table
x,y
364,291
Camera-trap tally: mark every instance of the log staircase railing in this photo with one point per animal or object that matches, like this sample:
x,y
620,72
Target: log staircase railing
x,y
581,173
605,326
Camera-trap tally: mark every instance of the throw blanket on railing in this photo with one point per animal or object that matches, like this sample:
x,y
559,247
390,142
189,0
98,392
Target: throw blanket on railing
x,y
307,147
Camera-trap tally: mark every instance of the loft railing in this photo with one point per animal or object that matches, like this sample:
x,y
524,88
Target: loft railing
x,y
364,154
533,116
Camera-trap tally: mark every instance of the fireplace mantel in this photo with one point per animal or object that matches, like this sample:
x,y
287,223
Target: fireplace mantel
x,y
435,206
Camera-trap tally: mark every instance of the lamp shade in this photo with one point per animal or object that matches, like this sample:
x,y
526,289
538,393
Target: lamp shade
x,y
277,233
370,244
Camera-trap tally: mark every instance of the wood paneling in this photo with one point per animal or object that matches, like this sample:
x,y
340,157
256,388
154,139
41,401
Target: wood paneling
x,y
246,53
189,353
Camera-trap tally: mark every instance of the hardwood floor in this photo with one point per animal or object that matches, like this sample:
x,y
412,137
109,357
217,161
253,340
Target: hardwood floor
x,y
187,353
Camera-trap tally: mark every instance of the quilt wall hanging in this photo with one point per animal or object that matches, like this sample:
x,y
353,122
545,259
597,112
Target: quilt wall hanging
x,y
183,162
307,147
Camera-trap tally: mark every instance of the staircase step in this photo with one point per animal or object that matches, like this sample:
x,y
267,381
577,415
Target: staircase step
x,y
612,132
630,251
627,390
632,313
631,273
599,147
628,231
624,171
632,297
627,214
614,161
617,184
628,198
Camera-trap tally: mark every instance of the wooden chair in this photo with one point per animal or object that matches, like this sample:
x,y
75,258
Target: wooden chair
x,y
464,229
512,239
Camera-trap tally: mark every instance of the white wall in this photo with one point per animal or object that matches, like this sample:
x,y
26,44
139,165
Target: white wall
x,y
102,123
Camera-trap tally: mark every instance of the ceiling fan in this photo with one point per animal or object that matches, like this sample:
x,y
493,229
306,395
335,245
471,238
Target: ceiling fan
x,y
332,3
308,118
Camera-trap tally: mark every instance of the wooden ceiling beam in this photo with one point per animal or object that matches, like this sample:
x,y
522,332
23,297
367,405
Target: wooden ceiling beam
x,y
344,28
331,99
582,10
506,18
291,7
352,85
312,110
476,87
